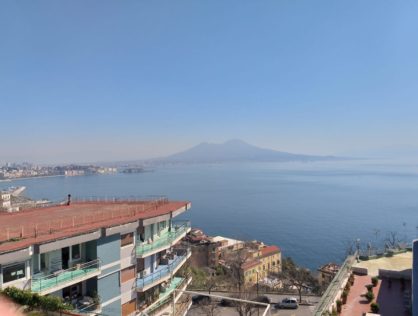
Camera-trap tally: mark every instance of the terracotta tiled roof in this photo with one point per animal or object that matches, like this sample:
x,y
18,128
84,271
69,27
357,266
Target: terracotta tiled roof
x,y
250,264
269,250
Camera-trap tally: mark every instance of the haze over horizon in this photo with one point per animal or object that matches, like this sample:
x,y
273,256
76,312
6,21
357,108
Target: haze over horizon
x,y
104,81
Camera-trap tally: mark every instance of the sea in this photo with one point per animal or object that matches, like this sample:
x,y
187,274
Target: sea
x,y
313,211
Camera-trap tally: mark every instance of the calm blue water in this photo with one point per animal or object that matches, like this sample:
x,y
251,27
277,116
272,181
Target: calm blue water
x,y
310,210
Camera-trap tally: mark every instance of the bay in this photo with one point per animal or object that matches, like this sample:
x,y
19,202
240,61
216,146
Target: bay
x,y
310,210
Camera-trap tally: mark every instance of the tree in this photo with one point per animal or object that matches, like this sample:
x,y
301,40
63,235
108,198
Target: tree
x,y
234,261
243,308
392,240
210,308
297,277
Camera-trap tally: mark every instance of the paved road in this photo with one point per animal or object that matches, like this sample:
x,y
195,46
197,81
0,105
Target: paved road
x,y
303,310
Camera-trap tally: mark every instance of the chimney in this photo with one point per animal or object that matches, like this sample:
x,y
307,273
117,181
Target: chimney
x,y
69,199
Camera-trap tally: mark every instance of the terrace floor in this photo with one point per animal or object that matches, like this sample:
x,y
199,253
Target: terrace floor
x,y
398,262
390,299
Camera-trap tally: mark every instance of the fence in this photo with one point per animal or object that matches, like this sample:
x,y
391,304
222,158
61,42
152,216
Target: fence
x,y
129,207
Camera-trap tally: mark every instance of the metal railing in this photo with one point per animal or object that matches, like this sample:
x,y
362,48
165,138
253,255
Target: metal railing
x,y
183,306
337,285
60,277
168,299
160,199
164,270
177,229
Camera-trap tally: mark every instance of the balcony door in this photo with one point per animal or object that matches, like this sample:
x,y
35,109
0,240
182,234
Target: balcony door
x,y
65,255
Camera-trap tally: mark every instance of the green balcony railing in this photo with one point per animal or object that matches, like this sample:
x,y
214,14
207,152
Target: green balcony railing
x,y
43,283
177,229
165,298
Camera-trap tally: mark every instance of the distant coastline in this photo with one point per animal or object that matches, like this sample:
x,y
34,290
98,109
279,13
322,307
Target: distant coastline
x,y
34,177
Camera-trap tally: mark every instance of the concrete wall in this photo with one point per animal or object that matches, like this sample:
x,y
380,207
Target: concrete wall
x,y
108,287
112,309
108,282
108,249
415,279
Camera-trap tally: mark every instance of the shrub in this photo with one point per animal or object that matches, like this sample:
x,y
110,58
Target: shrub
x,y
21,297
369,296
374,308
339,304
348,286
351,279
369,287
35,301
375,280
344,296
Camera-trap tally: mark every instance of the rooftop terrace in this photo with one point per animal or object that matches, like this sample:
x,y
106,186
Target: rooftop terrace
x,y
398,262
38,225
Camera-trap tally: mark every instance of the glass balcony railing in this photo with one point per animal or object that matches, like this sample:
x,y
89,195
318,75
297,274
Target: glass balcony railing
x,y
165,298
79,271
163,270
166,239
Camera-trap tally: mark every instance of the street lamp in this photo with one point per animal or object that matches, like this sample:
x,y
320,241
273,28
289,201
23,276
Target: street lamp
x,y
257,281
358,248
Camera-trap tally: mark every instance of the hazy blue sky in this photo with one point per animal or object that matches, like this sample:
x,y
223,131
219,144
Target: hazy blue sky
x,y
102,80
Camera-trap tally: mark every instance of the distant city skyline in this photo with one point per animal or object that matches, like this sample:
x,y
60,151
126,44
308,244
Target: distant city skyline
x,y
104,81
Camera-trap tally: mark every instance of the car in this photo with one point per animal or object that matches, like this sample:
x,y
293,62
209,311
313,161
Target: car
x,y
227,303
289,302
201,299
263,299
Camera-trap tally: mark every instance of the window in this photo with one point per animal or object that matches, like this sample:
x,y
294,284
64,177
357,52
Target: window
x,y
127,274
126,239
75,252
163,225
43,261
14,272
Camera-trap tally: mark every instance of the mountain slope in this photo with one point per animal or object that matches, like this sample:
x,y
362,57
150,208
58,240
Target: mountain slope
x,y
236,150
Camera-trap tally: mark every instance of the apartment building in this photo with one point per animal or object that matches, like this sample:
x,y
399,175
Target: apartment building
x,y
108,257
261,262
5,200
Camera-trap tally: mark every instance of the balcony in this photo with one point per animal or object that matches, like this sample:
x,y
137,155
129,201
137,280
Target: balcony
x,y
166,240
164,271
165,299
63,278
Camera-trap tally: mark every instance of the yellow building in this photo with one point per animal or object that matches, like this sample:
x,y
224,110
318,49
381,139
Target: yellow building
x,y
266,260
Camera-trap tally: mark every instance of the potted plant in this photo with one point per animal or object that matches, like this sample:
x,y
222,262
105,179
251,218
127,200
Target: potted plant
x,y
344,296
369,287
374,307
351,279
369,296
339,305
375,280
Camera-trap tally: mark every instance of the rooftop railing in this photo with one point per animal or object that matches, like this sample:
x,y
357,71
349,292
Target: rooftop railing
x,y
90,216
166,239
79,271
163,270
337,285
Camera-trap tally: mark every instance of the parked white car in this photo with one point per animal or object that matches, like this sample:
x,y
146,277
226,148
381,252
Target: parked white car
x,y
289,302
